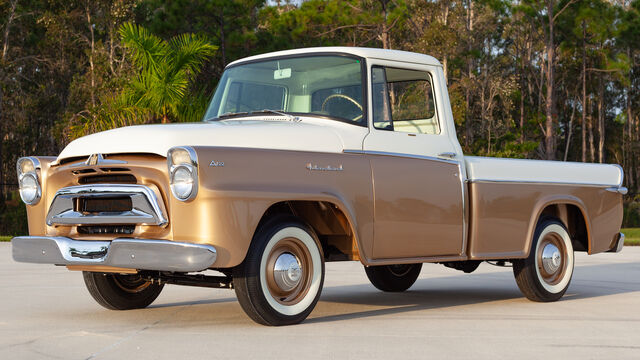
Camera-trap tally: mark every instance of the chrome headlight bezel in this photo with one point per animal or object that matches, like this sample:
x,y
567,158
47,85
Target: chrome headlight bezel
x,y
28,167
183,157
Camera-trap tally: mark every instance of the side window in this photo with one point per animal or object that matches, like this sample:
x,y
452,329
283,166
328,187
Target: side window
x,y
403,101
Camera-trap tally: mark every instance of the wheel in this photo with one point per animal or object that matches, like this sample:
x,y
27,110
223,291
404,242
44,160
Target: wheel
x,y
281,278
121,292
393,278
545,275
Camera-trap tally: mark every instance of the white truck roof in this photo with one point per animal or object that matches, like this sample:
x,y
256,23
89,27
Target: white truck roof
x,y
383,54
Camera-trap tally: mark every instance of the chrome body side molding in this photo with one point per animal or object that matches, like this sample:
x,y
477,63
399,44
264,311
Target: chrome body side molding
x,y
411,156
534,182
141,254
145,210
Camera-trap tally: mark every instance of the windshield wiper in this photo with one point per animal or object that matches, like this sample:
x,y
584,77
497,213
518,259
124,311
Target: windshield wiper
x,y
228,114
288,116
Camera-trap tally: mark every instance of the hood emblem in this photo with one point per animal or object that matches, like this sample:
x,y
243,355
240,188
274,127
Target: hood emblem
x,y
312,167
94,159
214,163
98,159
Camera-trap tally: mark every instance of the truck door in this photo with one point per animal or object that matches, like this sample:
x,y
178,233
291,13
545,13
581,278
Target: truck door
x,y
415,164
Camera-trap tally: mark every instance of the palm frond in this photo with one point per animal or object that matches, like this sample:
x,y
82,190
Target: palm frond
x,y
189,52
148,50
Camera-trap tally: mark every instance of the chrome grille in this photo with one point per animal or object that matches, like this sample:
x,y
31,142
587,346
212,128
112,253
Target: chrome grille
x,y
98,204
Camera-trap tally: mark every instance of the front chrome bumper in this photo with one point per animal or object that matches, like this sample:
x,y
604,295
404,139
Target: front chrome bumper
x,y
619,244
141,254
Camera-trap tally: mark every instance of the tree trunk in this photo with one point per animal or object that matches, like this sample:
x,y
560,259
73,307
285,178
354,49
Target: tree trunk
x,y
7,28
549,133
592,149
445,58
570,132
111,51
384,35
522,87
630,126
2,182
468,139
584,93
222,39
91,64
601,130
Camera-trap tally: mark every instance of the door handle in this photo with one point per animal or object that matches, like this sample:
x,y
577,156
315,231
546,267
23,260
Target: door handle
x,y
449,155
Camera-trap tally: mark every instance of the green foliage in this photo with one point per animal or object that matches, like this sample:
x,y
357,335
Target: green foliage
x,y
166,69
632,236
163,87
632,213
13,216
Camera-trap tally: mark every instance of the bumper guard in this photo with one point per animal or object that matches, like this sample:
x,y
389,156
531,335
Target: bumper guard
x,y
618,245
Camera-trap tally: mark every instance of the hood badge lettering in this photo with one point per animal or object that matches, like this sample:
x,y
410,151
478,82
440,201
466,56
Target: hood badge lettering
x,y
214,163
312,167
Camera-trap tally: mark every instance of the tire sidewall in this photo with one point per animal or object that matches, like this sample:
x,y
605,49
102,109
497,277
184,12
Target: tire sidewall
x,y
249,277
299,232
106,292
546,227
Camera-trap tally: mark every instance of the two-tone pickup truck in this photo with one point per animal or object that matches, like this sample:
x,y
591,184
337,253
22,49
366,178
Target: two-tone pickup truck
x,y
304,157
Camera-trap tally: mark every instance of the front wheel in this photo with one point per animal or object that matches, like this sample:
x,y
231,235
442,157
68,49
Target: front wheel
x,y
545,275
121,292
281,278
393,278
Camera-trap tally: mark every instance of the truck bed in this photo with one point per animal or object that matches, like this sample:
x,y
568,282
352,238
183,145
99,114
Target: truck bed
x,y
507,196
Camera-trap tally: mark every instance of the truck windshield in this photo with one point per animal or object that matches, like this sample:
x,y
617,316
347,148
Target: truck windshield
x,y
328,86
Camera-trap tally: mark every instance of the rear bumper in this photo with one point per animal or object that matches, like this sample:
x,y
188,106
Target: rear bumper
x,y
141,254
618,244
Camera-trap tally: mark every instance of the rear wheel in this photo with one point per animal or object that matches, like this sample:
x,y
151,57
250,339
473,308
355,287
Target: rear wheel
x,y
281,278
393,278
545,275
121,292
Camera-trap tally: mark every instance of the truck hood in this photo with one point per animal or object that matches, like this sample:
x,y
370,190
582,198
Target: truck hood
x,y
307,135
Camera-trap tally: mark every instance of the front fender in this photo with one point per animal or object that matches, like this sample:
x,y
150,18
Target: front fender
x,y
233,198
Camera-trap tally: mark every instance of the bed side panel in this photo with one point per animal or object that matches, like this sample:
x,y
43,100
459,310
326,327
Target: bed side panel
x,y
504,216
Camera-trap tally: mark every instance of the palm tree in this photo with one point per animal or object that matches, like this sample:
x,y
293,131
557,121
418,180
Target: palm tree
x,y
165,72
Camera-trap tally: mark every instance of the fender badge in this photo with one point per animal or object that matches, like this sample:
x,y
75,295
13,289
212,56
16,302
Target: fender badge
x,y
312,167
216,163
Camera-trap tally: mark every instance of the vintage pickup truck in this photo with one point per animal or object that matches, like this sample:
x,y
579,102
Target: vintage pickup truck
x,y
308,156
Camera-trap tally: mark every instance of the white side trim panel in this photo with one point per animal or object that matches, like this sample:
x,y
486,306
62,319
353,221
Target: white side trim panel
x,y
516,170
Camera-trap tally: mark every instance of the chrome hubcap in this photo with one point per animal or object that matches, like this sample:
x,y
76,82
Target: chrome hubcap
x,y
287,271
551,258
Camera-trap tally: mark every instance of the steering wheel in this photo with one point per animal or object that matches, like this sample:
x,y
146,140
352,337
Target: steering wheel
x,y
342,96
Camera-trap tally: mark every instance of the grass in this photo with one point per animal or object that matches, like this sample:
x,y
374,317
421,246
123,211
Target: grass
x,y
632,236
5,238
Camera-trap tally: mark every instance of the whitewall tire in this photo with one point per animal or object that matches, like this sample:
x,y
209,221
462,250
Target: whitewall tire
x,y
546,273
281,279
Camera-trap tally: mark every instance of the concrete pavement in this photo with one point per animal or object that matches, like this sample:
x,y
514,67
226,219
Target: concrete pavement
x,y
46,312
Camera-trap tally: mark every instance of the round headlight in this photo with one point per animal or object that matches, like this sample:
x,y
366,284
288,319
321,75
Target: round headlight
x,y
182,182
29,189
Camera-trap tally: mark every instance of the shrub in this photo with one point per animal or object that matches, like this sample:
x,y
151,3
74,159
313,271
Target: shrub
x,y
13,216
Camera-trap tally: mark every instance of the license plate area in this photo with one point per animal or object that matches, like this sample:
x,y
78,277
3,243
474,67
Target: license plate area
x,y
103,204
